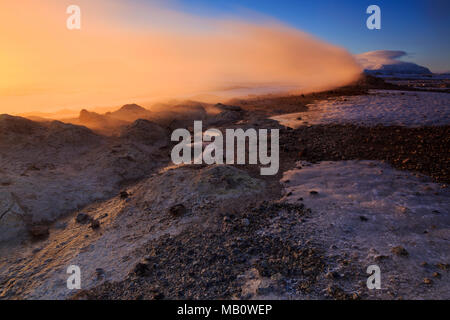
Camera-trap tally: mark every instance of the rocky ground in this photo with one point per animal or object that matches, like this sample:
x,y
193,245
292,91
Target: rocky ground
x,y
423,149
204,232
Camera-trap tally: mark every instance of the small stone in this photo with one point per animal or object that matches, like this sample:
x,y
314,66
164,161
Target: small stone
x,y
39,231
427,281
443,266
141,269
36,250
345,262
158,296
95,224
436,275
380,257
82,218
276,277
400,251
332,275
245,222
178,210
99,272
313,192
355,296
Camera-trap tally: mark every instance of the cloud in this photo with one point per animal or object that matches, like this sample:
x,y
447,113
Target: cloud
x,y
388,61
376,59
136,51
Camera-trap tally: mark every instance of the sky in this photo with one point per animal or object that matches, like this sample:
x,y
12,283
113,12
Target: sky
x,y
130,51
421,28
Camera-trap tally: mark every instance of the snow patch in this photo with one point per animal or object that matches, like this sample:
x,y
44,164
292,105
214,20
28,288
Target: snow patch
x,y
363,209
385,107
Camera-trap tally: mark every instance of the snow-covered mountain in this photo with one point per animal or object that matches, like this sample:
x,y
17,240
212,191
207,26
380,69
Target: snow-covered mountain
x,y
386,62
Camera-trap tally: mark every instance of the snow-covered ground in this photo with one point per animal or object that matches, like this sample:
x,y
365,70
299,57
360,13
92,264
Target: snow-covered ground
x,y
364,209
404,108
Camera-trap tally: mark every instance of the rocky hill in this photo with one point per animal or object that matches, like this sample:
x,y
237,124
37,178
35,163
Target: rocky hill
x,y
49,169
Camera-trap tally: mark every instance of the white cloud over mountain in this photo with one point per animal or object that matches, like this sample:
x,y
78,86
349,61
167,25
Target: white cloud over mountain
x,y
388,62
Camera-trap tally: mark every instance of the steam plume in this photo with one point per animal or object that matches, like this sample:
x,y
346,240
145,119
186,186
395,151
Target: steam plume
x,y
133,53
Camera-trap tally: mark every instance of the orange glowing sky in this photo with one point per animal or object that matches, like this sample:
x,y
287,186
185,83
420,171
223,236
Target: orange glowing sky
x,y
127,53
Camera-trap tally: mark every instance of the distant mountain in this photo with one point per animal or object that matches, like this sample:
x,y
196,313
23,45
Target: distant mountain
x,y
88,116
57,115
15,131
400,68
386,62
130,112
109,122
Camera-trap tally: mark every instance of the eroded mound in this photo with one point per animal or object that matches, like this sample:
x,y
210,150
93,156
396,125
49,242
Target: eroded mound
x,y
146,132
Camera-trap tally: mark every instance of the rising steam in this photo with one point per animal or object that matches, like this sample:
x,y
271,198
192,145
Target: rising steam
x,y
141,52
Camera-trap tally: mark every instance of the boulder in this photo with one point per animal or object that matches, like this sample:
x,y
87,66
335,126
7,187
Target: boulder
x,y
12,223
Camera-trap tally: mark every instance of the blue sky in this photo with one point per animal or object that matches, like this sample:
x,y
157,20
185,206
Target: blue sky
x,y
420,28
